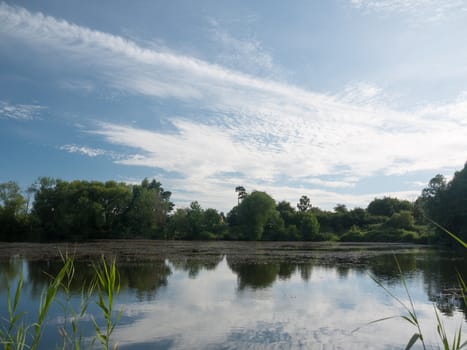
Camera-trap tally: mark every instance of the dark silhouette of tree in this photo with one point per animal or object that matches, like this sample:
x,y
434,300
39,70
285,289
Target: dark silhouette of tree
x,y
304,204
241,193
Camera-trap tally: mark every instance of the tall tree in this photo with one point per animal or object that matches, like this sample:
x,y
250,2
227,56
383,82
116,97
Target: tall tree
x,y
341,209
309,227
387,206
148,210
287,213
447,203
254,212
12,211
304,204
12,201
241,193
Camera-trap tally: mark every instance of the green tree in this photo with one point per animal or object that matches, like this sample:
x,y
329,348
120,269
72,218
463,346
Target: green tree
x,y
178,224
241,192
195,216
12,201
43,212
148,210
115,199
213,222
287,213
436,186
387,206
253,213
341,209
195,223
446,203
81,209
274,228
402,220
304,204
12,212
309,226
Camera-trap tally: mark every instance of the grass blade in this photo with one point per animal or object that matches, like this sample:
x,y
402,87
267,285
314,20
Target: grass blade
x,y
412,341
456,238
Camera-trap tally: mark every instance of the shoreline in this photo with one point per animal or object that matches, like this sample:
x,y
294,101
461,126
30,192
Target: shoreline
x,y
242,251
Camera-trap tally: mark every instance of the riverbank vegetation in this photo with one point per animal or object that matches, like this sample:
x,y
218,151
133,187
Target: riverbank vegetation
x,y
56,210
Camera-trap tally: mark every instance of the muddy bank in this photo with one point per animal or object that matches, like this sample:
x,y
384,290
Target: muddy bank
x,y
248,252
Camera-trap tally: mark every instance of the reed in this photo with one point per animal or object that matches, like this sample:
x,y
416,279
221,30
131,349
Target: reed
x,y
411,314
18,334
108,286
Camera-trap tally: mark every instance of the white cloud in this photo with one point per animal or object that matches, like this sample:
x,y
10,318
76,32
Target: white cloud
x,y
90,151
361,93
19,111
265,131
346,183
420,10
246,54
87,151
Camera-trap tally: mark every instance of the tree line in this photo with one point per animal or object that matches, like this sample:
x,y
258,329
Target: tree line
x,y
55,210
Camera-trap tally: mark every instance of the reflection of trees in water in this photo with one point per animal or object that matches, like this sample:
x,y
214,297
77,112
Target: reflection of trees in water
x,y
342,271
41,272
286,270
305,270
438,270
255,275
441,282
384,267
144,277
9,270
194,265
263,273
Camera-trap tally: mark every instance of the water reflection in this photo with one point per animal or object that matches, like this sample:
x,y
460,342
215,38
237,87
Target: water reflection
x,y
39,274
221,302
305,270
145,278
9,270
262,274
254,275
194,265
385,269
438,270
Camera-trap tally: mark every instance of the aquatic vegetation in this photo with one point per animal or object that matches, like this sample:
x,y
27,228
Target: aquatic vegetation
x,y
17,333
411,314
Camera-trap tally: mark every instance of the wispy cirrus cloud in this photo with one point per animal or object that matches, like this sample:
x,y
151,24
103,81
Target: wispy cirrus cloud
x,y
19,111
87,151
90,151
263,130
422,10
246,54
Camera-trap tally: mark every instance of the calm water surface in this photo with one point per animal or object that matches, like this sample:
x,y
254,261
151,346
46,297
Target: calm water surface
x,y
226,302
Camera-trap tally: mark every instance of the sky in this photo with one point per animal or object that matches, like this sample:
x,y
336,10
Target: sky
x,y
340,100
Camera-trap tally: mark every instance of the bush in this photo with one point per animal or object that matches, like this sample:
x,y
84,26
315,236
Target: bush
x,y
326,236
402,220
353,235
207,236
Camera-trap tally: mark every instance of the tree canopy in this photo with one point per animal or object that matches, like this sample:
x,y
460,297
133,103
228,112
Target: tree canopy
x,y
446,203
54,209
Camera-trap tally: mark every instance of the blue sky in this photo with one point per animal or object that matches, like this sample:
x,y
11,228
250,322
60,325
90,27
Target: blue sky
x,y
340,100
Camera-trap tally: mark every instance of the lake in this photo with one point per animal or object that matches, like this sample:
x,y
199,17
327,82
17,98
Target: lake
x,y
248,295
